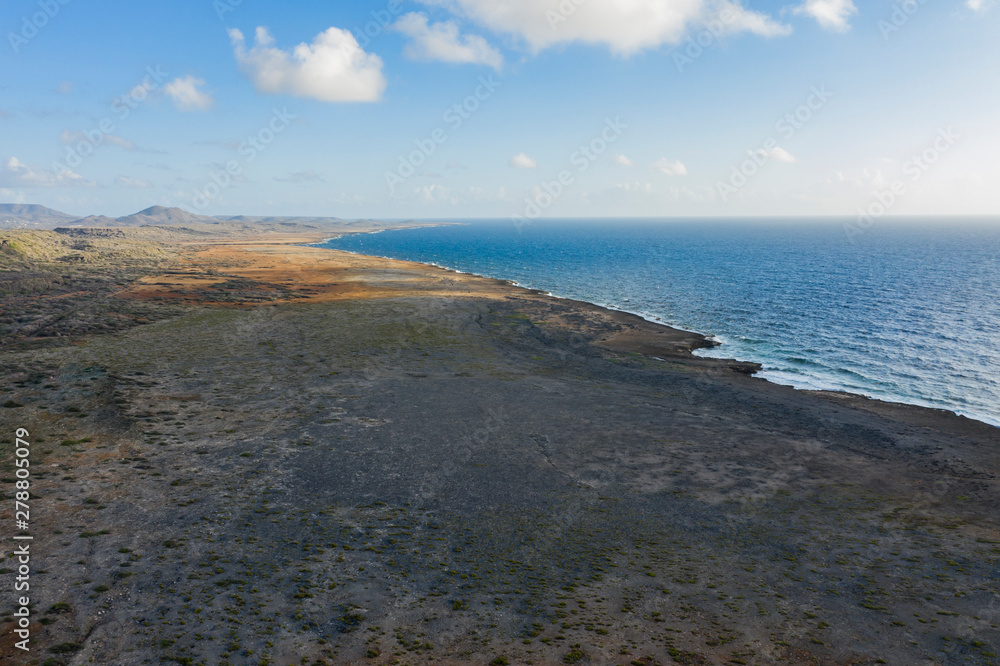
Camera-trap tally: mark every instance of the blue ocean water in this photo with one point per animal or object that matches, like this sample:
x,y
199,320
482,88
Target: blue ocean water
x,y
908,312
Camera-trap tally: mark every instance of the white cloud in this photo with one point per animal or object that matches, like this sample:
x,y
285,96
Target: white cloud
x,y
665,166
185,93
522,161
69,137
331,69
135,183
978,5
830,14
624,26
430,194
621,160
442,41
736,18
779,154
19,174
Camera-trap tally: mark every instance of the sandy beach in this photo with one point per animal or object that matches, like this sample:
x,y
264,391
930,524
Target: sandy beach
x,y
261,452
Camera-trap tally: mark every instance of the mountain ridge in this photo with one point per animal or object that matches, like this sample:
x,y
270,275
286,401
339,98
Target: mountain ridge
x,y
36,216
31,216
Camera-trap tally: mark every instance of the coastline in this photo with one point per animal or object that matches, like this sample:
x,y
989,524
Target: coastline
x,y
711,343
454,465
654,339
689,341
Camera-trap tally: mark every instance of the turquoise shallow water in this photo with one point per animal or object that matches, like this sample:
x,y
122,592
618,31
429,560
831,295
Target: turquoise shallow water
x,y
907,312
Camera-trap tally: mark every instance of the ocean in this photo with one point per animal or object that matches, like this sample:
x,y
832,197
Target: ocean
x,y
904,311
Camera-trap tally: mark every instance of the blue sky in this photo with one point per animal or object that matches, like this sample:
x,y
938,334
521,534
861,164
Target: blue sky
x,y
688,107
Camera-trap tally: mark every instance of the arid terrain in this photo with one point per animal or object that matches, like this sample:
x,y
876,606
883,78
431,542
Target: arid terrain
x,y
249,451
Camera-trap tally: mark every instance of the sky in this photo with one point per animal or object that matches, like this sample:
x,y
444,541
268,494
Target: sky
x,y
502,108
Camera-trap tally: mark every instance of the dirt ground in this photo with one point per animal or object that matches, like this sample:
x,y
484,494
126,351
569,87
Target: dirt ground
x,y
313,457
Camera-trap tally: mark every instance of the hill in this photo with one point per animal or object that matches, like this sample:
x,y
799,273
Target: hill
x,y
161,216
31,216
163,223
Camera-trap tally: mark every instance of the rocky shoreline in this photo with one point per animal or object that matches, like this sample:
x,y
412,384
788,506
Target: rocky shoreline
x,y
312,455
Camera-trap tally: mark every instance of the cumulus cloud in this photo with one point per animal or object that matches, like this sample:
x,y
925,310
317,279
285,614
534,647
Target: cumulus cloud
x,y
522,161
18,174
621,160
71,137
186,94
442,41
665,166
736,18
779,154
830,14
334,68
978,5
135,183
624,26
